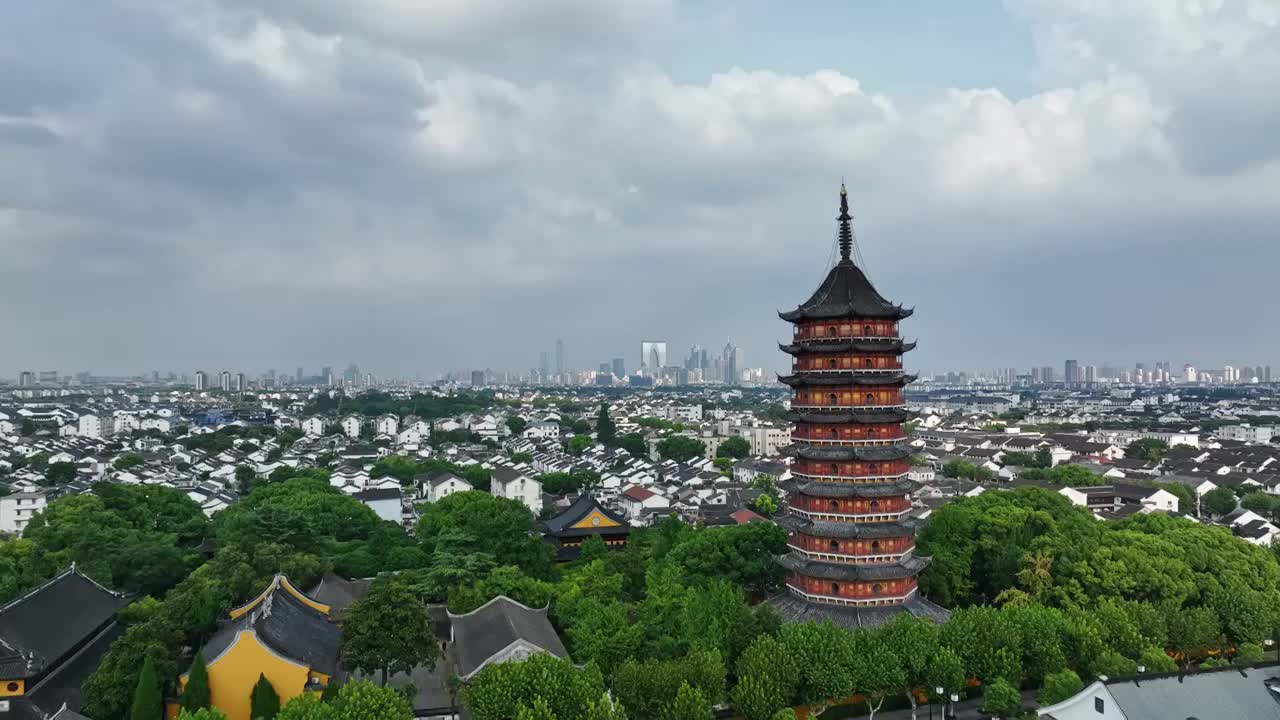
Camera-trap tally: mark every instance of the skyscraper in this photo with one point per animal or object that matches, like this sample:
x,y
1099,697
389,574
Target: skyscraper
x,y
619,368
299,376
326,375
653,354
202,381
477,378
851,534
239,382
544,366
224,381
559,356
729,363
1071,372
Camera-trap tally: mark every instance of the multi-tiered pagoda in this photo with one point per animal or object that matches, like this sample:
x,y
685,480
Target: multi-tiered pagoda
x,y
852,535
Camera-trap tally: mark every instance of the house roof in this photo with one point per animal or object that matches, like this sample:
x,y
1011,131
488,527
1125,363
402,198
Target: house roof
x,y
42,627
484,632
638,493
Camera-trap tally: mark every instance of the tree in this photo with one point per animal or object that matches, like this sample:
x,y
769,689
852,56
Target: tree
x,y
1186,497
606,429
741,554
195,695
128,460
1071,475
735,447
1219,501
388,631
1249,654
1059,686
681,448
1156,660
1001,698
634,444
264,703
309,707
875,669
245,477
516,424
59,473
767,678
1192,631
646,686
147,700
201,714
363,700
579,444
945,670
1259,502
498,527
1147,449
765,504
496,692
688,704
913,642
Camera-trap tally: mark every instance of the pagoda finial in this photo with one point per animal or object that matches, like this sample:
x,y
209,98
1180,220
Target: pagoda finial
x,y
846,230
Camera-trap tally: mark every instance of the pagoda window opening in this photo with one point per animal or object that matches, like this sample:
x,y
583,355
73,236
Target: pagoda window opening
x,y
835,546
832,363
875,545
833,399
875,505
832,331
873,468
866,330
835,469
835,588
834,433
871,398
835,504
876,588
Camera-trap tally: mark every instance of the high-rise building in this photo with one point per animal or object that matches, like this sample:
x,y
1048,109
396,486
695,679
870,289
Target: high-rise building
x,y
559,356
26,378
694,361
544,366
850,526
1046,374
477,378
729,363
298,375
224,381
1266,373
202,381
239,383
653,355
326,375
1071,372
619,368
1090,373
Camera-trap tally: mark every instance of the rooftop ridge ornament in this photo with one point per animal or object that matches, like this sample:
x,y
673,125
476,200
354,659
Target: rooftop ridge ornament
x,y
846,230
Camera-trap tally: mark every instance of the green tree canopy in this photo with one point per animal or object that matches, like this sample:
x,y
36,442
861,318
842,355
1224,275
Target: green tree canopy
x,y
497,692
1001,698
1148,449
735,447
496,526
606,429
388,631
147,699
1219,501
195,695
362,700
1059,686
264,702
681,448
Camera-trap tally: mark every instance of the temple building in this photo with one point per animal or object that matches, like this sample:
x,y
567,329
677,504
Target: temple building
x,y
283,634
851,533
51,640
581,520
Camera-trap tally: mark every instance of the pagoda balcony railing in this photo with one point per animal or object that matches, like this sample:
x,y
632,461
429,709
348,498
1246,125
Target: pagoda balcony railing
x,y
850,559
850,517
853,602
845,371
847,480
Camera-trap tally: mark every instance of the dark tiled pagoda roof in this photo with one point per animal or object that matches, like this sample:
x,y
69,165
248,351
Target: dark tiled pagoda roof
x,y
907,567
796,610
844,530
846,490
845,416
44,627
488,630
288,627
562,524
847,377
872,453
884,345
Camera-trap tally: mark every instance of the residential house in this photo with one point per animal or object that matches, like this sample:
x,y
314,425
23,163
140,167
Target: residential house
x,y
514,485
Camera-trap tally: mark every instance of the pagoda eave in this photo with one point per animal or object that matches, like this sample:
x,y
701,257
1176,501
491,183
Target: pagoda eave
x,y
907,567
867,345
873,453
905,527
850,416
847,377
837,490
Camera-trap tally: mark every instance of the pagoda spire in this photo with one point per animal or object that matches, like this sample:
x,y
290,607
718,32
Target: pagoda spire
x,y
846,230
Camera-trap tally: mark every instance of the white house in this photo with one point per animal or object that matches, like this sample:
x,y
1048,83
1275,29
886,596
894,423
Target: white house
x,y
351,426
441,484
17,509
542,430
635,500
313,426
385,502
515,485
387,424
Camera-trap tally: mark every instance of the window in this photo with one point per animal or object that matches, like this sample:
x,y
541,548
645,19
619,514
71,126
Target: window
x,y
835,469
832,331
875,545
876,588
834,433
873,468
835,546
835,588
1099,706
832,399
875,505
832,363
871,398
11,687
835,504
868,362
866,330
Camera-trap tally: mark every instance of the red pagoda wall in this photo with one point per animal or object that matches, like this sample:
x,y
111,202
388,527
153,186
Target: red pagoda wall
x,y
853,590
852,548
850,506
814,432
846,397
876,470
841,361
813,329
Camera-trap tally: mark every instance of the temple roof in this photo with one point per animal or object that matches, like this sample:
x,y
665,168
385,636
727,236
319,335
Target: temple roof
x,y
885,345
562,525
483,633
844,416
819,528
43,626
287,626
793,609
828,378
872,453
844,490
907,567
846,292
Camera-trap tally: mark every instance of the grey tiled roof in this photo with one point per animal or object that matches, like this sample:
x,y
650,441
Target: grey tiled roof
x,y
486,631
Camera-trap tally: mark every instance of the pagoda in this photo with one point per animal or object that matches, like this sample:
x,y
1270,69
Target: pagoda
x,y
850,524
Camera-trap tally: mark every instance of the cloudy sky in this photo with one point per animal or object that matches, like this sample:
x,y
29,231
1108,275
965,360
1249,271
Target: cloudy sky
x,y
422,185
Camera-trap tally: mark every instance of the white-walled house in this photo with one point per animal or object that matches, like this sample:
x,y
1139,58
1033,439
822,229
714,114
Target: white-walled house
x,y
541,430
17,509
387,425
313,426
441,484
351,426
384,501
515,485
635,500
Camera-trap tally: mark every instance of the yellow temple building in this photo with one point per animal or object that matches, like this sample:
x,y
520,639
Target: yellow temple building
x,y
282,634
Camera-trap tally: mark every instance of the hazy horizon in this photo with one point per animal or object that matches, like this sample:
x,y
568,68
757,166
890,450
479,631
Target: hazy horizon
x,y
244,185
